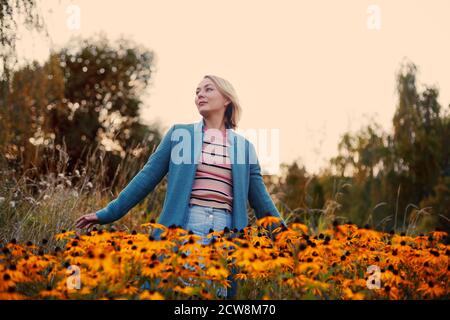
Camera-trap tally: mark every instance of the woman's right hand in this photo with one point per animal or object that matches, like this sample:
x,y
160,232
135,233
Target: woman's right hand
x,y
87,220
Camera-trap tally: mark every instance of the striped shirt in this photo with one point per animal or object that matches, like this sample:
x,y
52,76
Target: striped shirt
x,y
213,186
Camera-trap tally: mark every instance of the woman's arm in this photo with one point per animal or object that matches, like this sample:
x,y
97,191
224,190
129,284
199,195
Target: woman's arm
x,y
141,185
258,196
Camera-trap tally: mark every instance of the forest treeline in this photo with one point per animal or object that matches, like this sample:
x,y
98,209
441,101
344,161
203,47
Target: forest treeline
x,y
84,102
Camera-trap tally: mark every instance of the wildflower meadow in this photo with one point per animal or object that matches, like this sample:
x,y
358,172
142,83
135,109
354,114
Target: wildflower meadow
x,y
285,263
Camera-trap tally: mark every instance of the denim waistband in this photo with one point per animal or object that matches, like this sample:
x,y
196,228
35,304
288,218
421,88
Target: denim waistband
x,y
218,209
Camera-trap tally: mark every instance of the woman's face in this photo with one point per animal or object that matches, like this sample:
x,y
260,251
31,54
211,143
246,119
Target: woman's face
x,y
208,98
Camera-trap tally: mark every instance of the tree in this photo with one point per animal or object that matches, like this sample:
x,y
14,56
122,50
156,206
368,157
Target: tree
x,y
87,94
103,88
12,14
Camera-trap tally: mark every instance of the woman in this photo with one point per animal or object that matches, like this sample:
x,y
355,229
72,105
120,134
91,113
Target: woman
x,y
210,181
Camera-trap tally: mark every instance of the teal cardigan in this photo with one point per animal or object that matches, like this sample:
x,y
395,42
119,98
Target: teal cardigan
x,y
167,158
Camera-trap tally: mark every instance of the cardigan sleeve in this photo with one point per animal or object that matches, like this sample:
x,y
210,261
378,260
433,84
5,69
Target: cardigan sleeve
x,y
258,196
142,184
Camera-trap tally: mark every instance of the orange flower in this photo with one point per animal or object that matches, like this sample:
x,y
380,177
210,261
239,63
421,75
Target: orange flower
x,y
438,235
265,221
64,235
154,225
431,289
188,290
299,226
349,294
151,295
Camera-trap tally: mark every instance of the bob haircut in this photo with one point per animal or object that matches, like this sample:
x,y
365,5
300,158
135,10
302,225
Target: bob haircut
x,y
233,112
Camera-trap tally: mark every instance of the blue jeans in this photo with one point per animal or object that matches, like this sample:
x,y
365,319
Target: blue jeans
x,y
200,220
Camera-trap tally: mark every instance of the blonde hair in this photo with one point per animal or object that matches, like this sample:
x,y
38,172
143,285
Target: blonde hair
x,y
234,111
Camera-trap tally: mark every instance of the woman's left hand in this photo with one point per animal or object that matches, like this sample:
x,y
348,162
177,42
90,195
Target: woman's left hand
x,y
86,221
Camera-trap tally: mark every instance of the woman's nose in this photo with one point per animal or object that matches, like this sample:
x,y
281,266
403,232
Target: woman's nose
x,y
200,97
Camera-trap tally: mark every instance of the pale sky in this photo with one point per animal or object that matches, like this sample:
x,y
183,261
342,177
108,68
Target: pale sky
x,y
312,69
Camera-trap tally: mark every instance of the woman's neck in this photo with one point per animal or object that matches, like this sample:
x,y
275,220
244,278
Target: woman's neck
x,y
214,124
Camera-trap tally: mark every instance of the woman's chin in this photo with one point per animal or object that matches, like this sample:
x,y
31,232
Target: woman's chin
x,y
203,111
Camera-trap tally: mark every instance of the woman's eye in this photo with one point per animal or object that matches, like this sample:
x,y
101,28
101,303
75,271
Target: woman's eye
x,y
206,90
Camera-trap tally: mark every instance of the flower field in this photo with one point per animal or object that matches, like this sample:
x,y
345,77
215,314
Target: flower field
x,y
291,263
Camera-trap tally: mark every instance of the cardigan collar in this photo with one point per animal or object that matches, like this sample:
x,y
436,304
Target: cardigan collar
x,y
198,127
236,143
